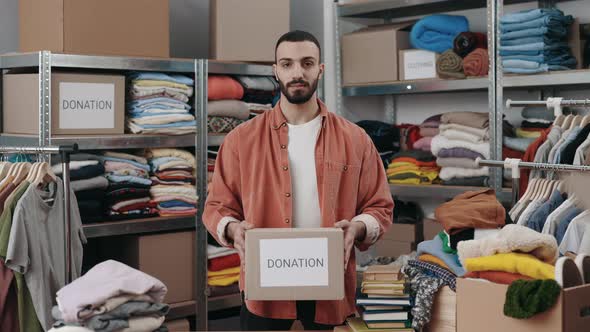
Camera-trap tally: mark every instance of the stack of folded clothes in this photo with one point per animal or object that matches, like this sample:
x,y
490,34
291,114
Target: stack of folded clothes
x,y
223,265
225,110
111,297
536,41
413,167
428,129
87,175
385,137
173,179
464,136
128,194
259,91
159,104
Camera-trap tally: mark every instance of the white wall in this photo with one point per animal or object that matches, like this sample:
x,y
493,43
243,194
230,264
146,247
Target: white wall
x,y
8,26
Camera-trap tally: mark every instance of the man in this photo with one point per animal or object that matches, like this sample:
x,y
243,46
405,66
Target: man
x,y
299,166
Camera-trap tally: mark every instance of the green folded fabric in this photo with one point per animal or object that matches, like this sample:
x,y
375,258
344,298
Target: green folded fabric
x,y
445,240
526,298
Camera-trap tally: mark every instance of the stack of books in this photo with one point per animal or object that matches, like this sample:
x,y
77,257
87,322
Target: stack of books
x,y
383,301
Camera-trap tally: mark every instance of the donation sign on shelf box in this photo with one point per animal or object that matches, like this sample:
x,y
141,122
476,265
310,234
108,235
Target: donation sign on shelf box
x,y
294,264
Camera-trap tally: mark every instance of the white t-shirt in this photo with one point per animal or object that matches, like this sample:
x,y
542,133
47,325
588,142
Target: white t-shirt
x,y
301,148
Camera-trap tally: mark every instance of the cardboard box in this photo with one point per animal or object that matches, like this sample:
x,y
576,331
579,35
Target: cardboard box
x,y
97,27
247,30
404,233
444,312
169,257
294,264
574,41
417,64
81,104
371,55
480,307
179,325
431,228
388,248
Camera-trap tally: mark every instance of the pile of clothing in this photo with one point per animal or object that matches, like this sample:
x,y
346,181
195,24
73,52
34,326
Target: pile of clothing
x,y
464,137
158,104
413,167
130,301
223,265
468,216
536,41
385,137
259,91
173,190
128,193
88,181
427,130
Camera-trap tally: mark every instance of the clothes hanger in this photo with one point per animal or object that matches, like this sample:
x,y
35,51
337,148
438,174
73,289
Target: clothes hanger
x,y
44,174
559,120
585,120
567,121
545,183
4,168
22,173
576,121
529,190
550,189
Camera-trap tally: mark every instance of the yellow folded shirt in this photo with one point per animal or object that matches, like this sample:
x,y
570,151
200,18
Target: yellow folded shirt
x,y
223,280
232,270
406,181
161,83
527,134
524,264
434,260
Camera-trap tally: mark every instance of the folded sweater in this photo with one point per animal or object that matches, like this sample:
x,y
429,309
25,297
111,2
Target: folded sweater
x,y
524,264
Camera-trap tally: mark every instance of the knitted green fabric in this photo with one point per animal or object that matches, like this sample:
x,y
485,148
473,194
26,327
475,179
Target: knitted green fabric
x,y
526,298
445,240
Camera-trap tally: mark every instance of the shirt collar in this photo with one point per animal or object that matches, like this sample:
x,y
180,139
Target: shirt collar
x,y
277,118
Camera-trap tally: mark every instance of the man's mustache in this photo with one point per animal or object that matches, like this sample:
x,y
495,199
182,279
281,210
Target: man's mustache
x,y
298,82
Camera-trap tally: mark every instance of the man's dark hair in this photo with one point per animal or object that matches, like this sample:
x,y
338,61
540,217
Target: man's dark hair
x,y
298,36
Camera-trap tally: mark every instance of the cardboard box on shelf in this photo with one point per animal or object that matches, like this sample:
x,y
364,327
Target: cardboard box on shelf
x,y
247,30
388,248
480,307
431,228
96,27
294,264
404,233
370,55
81,104
417,65
575,43
169,257
179,325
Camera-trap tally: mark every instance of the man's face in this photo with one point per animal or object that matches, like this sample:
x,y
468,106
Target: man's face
x,y
298,70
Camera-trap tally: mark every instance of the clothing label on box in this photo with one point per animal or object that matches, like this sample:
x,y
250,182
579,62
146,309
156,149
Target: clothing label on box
x,y
86,105
419,65
294,262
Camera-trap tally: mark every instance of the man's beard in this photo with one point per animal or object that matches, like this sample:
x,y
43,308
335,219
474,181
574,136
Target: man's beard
x,y
299,96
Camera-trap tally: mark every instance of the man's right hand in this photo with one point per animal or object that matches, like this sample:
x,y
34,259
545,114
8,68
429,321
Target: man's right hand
x,y
236,233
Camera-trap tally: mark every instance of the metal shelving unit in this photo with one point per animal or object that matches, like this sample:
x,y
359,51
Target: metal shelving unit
x,y
426,191
495,83
215,139
46,61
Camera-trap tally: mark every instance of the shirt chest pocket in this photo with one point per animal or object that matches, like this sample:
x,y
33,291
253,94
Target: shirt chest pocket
x,y
342,183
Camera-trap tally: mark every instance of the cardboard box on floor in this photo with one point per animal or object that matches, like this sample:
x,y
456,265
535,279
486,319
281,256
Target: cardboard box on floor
x,y
247,30
387,248
431,228
81,104
294,264
96,27
480,307
169,257
444,312
179,325
370,55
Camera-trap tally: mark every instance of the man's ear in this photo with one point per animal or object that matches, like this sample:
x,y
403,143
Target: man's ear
x,y
274,71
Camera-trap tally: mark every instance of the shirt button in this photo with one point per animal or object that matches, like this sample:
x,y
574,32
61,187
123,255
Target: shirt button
x,y
345,168
285,168
287,221
283,147
288,194
284,124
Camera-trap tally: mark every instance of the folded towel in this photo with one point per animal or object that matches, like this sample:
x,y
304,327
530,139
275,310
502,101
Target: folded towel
x,y
450,65
511,238
524,264
437,32
232,108
476,63
467,42
223,87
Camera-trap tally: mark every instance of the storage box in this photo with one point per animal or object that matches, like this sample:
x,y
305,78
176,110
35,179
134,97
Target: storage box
x,y
82,104
388,248
168,257
371,55
97,27
431,228
444,312
404,233
294,264
247,30
480,307
179,325
575,43
417,64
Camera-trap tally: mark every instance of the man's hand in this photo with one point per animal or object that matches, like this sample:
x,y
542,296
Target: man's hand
x,y
353,231
236,233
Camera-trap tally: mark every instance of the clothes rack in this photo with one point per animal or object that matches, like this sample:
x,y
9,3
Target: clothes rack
x,y
516,164
65,151
554,103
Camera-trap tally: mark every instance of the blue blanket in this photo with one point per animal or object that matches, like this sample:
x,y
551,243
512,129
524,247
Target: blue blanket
x,y
437,32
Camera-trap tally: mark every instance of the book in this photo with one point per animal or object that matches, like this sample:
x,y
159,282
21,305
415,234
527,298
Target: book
x,y
385,282
382,285
383,307
385,315
382,273
405,324
384,301
356,324
391,292
378,296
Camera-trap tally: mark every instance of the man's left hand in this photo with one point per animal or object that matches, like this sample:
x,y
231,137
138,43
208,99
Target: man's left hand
x,y
353,231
